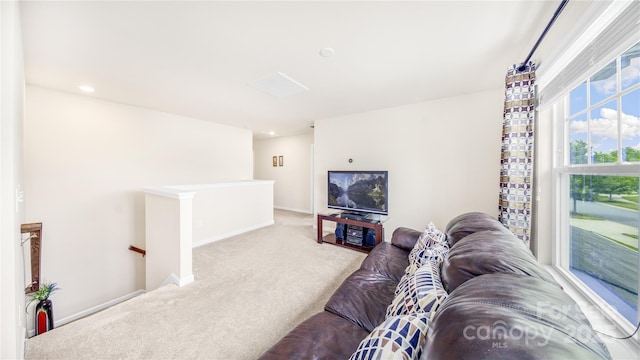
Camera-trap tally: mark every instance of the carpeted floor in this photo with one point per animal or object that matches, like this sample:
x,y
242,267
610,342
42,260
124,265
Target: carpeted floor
x,y
249,291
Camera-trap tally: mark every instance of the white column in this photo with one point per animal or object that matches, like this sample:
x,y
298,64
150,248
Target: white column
x,y
168,224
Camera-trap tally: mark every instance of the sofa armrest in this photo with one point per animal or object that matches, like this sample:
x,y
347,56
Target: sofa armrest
x,y
405,238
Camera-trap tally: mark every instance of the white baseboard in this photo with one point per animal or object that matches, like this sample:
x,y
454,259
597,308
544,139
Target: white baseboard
x,y
173,279
92,310
186,280
232,233
292,209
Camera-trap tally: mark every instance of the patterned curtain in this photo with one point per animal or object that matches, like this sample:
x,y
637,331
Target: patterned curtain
x,y
516,162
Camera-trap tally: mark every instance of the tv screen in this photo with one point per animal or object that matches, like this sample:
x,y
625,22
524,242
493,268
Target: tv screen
x,y
358,191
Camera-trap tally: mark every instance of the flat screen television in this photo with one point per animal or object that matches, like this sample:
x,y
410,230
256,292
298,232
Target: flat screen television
x,y
359,192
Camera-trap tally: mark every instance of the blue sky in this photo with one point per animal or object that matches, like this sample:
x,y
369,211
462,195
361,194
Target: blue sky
x,y
603,118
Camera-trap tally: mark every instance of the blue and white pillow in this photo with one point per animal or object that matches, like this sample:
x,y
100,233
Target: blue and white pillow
x,y
419,257
430,236
432,253
398,337
419,292
431,245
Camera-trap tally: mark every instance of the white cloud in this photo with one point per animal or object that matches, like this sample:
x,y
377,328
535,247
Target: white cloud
x,y
630,126
578,127
606,126
605,87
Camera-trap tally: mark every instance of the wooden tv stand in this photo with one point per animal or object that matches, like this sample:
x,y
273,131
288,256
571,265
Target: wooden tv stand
x,y
331,238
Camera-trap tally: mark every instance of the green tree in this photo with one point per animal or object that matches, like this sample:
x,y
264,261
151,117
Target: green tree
x,y
632,155
614,185
602,157
577,190
584,186
578,152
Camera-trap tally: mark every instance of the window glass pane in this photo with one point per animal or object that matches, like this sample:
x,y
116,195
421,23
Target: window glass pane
x,y
603,84
631,126
578,99
578,153
630,64
604,238
604,133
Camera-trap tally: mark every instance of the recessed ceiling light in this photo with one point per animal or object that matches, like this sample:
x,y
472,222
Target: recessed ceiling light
x,y
327,52
272,133
86,88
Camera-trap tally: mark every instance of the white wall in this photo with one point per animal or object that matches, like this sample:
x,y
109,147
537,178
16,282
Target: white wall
x,y
292,188
86,163
443,156
227,209
541,242
12,297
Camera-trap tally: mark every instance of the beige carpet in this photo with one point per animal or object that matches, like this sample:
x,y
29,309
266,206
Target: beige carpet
x,y
249,291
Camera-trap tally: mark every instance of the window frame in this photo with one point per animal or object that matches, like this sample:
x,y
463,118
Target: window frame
x,y
562,169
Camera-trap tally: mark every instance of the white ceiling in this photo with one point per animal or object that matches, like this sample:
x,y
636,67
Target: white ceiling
x,y
197,58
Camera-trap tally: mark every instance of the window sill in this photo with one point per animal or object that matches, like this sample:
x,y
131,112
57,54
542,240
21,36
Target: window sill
x,y
602,317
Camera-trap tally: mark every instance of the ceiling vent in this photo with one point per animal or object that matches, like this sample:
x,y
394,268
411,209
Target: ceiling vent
x,y
279,85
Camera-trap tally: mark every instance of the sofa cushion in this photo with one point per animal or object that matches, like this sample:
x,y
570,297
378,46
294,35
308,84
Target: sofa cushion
x,y
419,292
322,336
388,260
363,298
405,238
487,252
508,316
469,223
398,337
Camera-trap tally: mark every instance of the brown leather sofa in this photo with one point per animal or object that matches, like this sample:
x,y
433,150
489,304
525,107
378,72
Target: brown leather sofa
x,y
501,304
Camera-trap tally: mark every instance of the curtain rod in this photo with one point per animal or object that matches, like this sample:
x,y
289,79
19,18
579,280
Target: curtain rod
x,y
546,29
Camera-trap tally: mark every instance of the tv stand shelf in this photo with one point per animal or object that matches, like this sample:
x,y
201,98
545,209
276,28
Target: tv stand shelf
x,y
331,238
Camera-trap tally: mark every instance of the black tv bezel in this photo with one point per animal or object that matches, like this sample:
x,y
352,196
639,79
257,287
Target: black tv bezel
x,y
361,210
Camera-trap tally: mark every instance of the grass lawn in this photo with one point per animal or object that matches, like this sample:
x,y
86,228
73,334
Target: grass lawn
x,y
633,236
585,217
634,248
628,202
622,204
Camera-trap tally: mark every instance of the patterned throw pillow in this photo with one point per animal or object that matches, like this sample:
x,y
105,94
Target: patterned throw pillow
x,y
418,293
420,257
430,236
428,246
399,337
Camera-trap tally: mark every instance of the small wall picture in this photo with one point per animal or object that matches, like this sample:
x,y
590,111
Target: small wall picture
x,y
275,161
281,160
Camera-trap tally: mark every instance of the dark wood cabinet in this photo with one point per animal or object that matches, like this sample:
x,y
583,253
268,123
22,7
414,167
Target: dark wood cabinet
x,y
354,229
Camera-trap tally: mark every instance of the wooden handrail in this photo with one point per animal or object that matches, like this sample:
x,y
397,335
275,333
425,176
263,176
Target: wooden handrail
x,y
138,250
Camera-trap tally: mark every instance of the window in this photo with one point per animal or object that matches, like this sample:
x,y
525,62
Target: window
x,y
599,182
